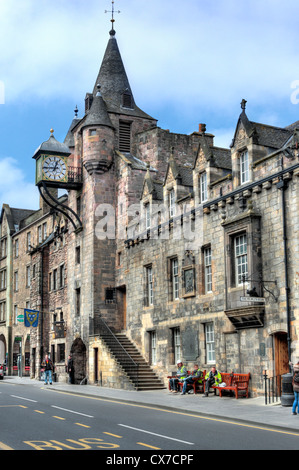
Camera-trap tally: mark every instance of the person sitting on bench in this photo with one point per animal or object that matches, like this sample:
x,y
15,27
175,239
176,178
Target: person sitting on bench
x,y
212,378
196,373
180,375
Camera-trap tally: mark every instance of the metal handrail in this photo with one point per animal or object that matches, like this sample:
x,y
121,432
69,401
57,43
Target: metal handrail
x,y
105,330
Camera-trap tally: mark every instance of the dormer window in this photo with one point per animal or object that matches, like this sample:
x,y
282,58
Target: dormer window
x,y
127,101
244,167
88,101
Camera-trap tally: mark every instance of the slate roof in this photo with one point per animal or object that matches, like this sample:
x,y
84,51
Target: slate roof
x,y
15,216
293,126
114,82
97,114
270,136
69,138
222,158
53,146
263,134
134,162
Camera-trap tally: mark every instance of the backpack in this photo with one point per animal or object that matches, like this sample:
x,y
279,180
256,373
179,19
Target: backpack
x,y
296,378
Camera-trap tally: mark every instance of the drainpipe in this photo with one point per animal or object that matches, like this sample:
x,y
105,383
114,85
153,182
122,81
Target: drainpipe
x,y
282,185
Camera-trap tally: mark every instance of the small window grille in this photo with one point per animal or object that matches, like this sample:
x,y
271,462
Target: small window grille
x,y
110,295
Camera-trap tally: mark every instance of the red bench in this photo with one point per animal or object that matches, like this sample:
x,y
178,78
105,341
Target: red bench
x,y
234,382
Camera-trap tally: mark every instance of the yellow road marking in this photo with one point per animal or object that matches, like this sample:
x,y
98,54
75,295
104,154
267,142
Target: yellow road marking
x,y
5,447
41,412
181,413
58,417
83,425
9,406
146,445
113,435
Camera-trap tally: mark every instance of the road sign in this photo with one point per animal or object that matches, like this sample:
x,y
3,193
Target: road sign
x,y
20,318
253,299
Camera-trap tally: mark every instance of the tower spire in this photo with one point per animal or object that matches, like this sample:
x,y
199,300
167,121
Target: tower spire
x,y
112,32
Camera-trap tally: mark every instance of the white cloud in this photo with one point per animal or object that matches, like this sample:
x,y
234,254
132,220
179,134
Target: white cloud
x,y
14,190
210,52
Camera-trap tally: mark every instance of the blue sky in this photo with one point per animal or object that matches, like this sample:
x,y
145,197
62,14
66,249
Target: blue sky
x,y
187,62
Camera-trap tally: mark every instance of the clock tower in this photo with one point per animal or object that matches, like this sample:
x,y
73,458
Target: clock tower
x,y
54,172
52,163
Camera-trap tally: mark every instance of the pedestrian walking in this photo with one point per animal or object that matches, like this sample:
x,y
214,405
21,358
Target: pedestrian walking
x,y
295,383
48,366
70,369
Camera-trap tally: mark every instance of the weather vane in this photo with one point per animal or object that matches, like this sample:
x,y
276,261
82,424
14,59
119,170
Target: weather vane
x,y
112,11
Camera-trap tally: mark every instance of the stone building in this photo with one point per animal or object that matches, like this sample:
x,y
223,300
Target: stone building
x,y
166,247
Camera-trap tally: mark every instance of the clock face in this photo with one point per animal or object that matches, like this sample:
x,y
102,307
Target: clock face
x,y
54,168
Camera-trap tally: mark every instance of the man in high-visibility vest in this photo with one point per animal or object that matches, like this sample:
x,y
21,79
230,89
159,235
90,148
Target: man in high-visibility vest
x,y
212,378
181,374
196,374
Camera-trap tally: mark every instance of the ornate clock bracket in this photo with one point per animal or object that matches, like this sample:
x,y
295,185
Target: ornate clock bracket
x,y
58,205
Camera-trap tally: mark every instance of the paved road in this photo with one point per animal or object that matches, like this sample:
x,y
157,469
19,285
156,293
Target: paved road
x,y
41,418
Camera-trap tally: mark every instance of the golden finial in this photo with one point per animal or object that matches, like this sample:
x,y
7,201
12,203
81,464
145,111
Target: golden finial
x,y
52,131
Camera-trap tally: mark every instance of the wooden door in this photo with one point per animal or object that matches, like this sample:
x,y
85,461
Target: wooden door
x,y
281,354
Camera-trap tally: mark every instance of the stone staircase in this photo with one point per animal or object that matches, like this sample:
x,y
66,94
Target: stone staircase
x,y
132,362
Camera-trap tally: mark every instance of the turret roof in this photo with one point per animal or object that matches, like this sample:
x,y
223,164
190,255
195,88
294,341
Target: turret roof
x,y
115,84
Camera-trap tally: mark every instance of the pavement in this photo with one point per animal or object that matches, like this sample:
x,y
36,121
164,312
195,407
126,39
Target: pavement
x,y
249,411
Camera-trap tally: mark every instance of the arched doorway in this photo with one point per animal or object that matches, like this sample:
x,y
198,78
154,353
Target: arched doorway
x,y
78,352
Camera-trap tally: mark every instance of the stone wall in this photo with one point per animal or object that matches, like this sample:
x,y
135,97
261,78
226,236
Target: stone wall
x,y
110,373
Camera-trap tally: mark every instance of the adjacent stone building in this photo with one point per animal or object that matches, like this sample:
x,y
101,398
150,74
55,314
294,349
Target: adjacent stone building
x,y
166,247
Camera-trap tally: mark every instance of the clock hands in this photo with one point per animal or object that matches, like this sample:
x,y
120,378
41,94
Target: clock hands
x,y
54,168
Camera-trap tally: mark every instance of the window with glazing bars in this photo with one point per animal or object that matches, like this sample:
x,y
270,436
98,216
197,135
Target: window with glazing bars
x,y
149,286
175,278
153,347
208,269
177,344
210,343
244,167
241,266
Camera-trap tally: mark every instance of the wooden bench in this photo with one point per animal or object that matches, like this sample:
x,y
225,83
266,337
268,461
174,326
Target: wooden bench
x,y
198,385
234,382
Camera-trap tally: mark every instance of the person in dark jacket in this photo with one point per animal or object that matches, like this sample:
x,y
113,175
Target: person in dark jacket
x,y
48,366
70,369
196,374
